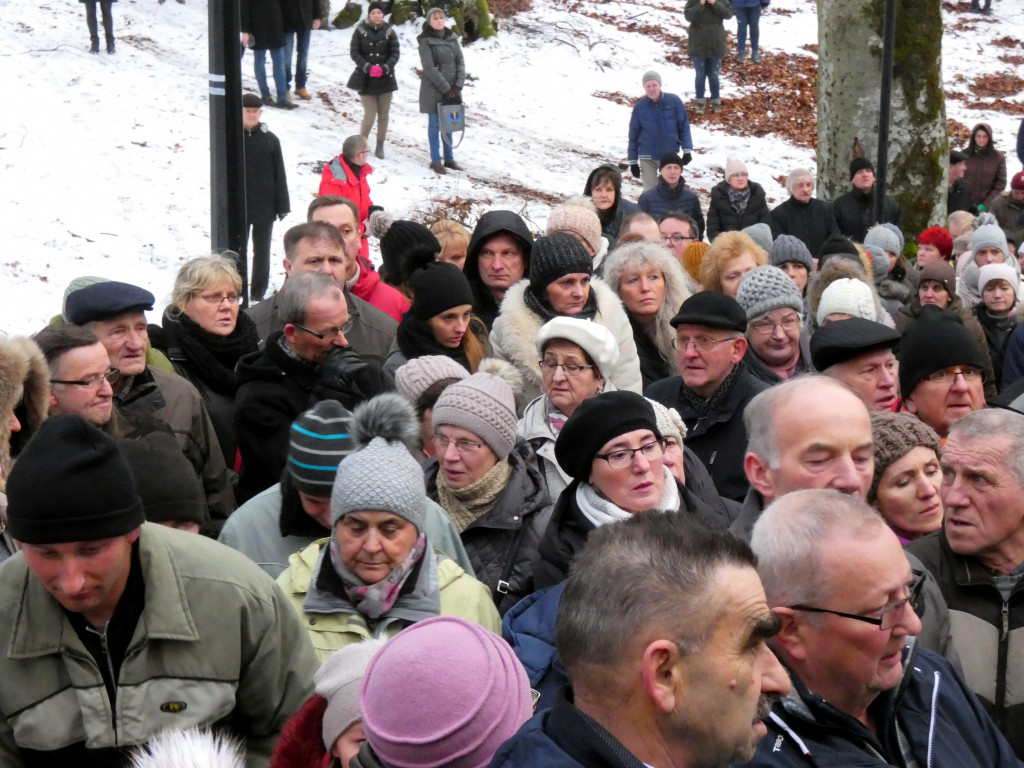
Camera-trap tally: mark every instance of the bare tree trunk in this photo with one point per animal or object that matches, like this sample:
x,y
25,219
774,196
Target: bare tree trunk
x,y
849,80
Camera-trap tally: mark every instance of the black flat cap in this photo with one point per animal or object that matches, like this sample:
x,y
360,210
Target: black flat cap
x,y
846,339
713,309
102,301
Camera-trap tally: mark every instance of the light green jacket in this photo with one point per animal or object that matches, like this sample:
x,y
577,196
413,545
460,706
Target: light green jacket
x,y
216,642
461,595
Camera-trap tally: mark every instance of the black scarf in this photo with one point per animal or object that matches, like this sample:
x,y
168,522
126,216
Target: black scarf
x,y
541,307
416,339
214,357
703,407
293,520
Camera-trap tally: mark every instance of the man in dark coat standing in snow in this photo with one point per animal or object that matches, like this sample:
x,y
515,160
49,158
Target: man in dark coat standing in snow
x,y
855,211
803,216
266,195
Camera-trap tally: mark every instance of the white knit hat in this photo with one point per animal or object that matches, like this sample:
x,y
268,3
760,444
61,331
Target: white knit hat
x,y
593,338
734,165
338,680
991,272
416,376
847,296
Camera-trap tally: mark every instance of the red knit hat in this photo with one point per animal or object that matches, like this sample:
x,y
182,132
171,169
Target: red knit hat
x,y
1018,181
940,238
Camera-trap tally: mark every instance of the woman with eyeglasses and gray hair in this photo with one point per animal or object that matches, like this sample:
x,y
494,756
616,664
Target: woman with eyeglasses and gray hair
x,y
204,335
485,477
613,449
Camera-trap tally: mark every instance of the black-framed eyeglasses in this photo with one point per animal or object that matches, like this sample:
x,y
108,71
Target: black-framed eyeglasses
x,y
624,457
948,375
330,333
94,383
571,369
676,239
462,445
889,615
703,344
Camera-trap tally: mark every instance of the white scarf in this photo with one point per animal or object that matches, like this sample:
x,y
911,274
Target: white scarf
x,y
600,511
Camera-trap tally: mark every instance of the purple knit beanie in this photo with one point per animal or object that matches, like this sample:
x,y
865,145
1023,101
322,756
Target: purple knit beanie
x,y
444,692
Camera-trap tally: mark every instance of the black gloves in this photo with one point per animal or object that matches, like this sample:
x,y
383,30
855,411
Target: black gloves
x,y
687,157
635,170
345,377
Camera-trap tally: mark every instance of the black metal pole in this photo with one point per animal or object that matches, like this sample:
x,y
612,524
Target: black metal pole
x,y
227,161
885,98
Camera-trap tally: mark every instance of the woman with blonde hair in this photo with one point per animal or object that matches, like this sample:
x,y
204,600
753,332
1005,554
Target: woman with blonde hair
x,y
729,258
652,286
454,240
203,335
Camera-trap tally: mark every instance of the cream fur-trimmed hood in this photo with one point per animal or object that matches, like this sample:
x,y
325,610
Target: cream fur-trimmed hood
x,y
24,378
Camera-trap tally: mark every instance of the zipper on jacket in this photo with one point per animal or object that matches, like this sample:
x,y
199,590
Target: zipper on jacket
x,y
1004,644
102,634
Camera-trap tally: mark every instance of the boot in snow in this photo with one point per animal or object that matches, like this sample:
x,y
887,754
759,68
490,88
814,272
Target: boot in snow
x,y
380,150
698,106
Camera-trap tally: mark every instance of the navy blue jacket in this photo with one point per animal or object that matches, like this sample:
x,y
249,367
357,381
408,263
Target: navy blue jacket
x,y
530,629
563,737
658,127
944,723
661,198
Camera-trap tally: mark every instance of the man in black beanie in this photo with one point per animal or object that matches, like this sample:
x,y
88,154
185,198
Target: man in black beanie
x,y
714,388
855,211
942,369
114,630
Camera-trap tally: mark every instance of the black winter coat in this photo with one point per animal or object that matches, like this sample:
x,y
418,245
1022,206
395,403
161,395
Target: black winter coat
x,y
706,37
653,365
722,217
719,439
373,45
961,198
855,214
812,222
264,21
492,223
266,187
661,199
502,545
569,528
299,14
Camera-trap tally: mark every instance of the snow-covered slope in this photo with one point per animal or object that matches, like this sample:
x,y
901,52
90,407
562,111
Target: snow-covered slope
x,y
105,159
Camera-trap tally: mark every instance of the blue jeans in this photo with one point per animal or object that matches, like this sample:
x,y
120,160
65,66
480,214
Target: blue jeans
x,y
433,136
300,62
259,68
707,68
745,17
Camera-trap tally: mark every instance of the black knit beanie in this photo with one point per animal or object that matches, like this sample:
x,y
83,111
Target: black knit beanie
x,y
437,288
596,421
936,340
71,484
859,164
406,247
166,481
554,256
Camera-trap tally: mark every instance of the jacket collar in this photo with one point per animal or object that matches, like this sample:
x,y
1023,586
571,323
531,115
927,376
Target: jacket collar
x,y
40,627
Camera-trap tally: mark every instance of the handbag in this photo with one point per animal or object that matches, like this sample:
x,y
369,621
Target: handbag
x,y
451,119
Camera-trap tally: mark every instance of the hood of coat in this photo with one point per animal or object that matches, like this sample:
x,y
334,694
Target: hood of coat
x,y
490,224
973,148
25,390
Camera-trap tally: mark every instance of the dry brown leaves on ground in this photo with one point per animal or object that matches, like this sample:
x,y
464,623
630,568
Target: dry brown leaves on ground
x,y
959,134
617,96
1006,42
505,9
997,86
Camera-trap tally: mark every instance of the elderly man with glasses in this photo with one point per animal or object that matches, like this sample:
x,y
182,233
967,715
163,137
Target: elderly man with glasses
x,y
307,362
864,690
714,388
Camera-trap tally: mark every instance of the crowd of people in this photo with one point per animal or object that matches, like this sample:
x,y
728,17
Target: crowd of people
x,y
663,485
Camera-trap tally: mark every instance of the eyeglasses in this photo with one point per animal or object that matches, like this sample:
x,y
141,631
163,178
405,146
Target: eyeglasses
x,y
463,446
330,333
624,457
889,615
948,375
767,327
703,344
94,383
571,369
676,239
218,298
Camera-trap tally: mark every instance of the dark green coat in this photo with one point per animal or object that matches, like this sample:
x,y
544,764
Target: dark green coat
x,y
707,38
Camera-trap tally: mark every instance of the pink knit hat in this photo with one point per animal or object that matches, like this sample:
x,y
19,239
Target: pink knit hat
x,y
444,692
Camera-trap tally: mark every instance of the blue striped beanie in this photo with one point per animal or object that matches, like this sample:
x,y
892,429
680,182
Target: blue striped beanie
x,y
317,442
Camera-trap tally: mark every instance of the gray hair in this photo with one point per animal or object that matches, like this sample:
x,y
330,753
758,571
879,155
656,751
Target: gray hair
x,y
633,258
997,422
298,291
795,175
55,341
352,145
789,538
653,571
758,417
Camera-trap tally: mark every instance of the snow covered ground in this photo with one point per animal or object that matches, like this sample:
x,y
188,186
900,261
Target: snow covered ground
x,y
105,159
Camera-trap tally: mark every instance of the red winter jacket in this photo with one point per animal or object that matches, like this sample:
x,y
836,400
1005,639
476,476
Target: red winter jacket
x,y
301,744
371,289
338,179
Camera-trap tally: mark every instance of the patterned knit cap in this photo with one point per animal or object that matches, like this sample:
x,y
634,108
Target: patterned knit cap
x,y
483,404
895,435
578,216
415,377
847,296
382,477
766,288
317,442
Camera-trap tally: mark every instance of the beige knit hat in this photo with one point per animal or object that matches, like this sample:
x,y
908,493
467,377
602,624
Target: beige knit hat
x,y
416,376
895,435
484,404
338,680
577,216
